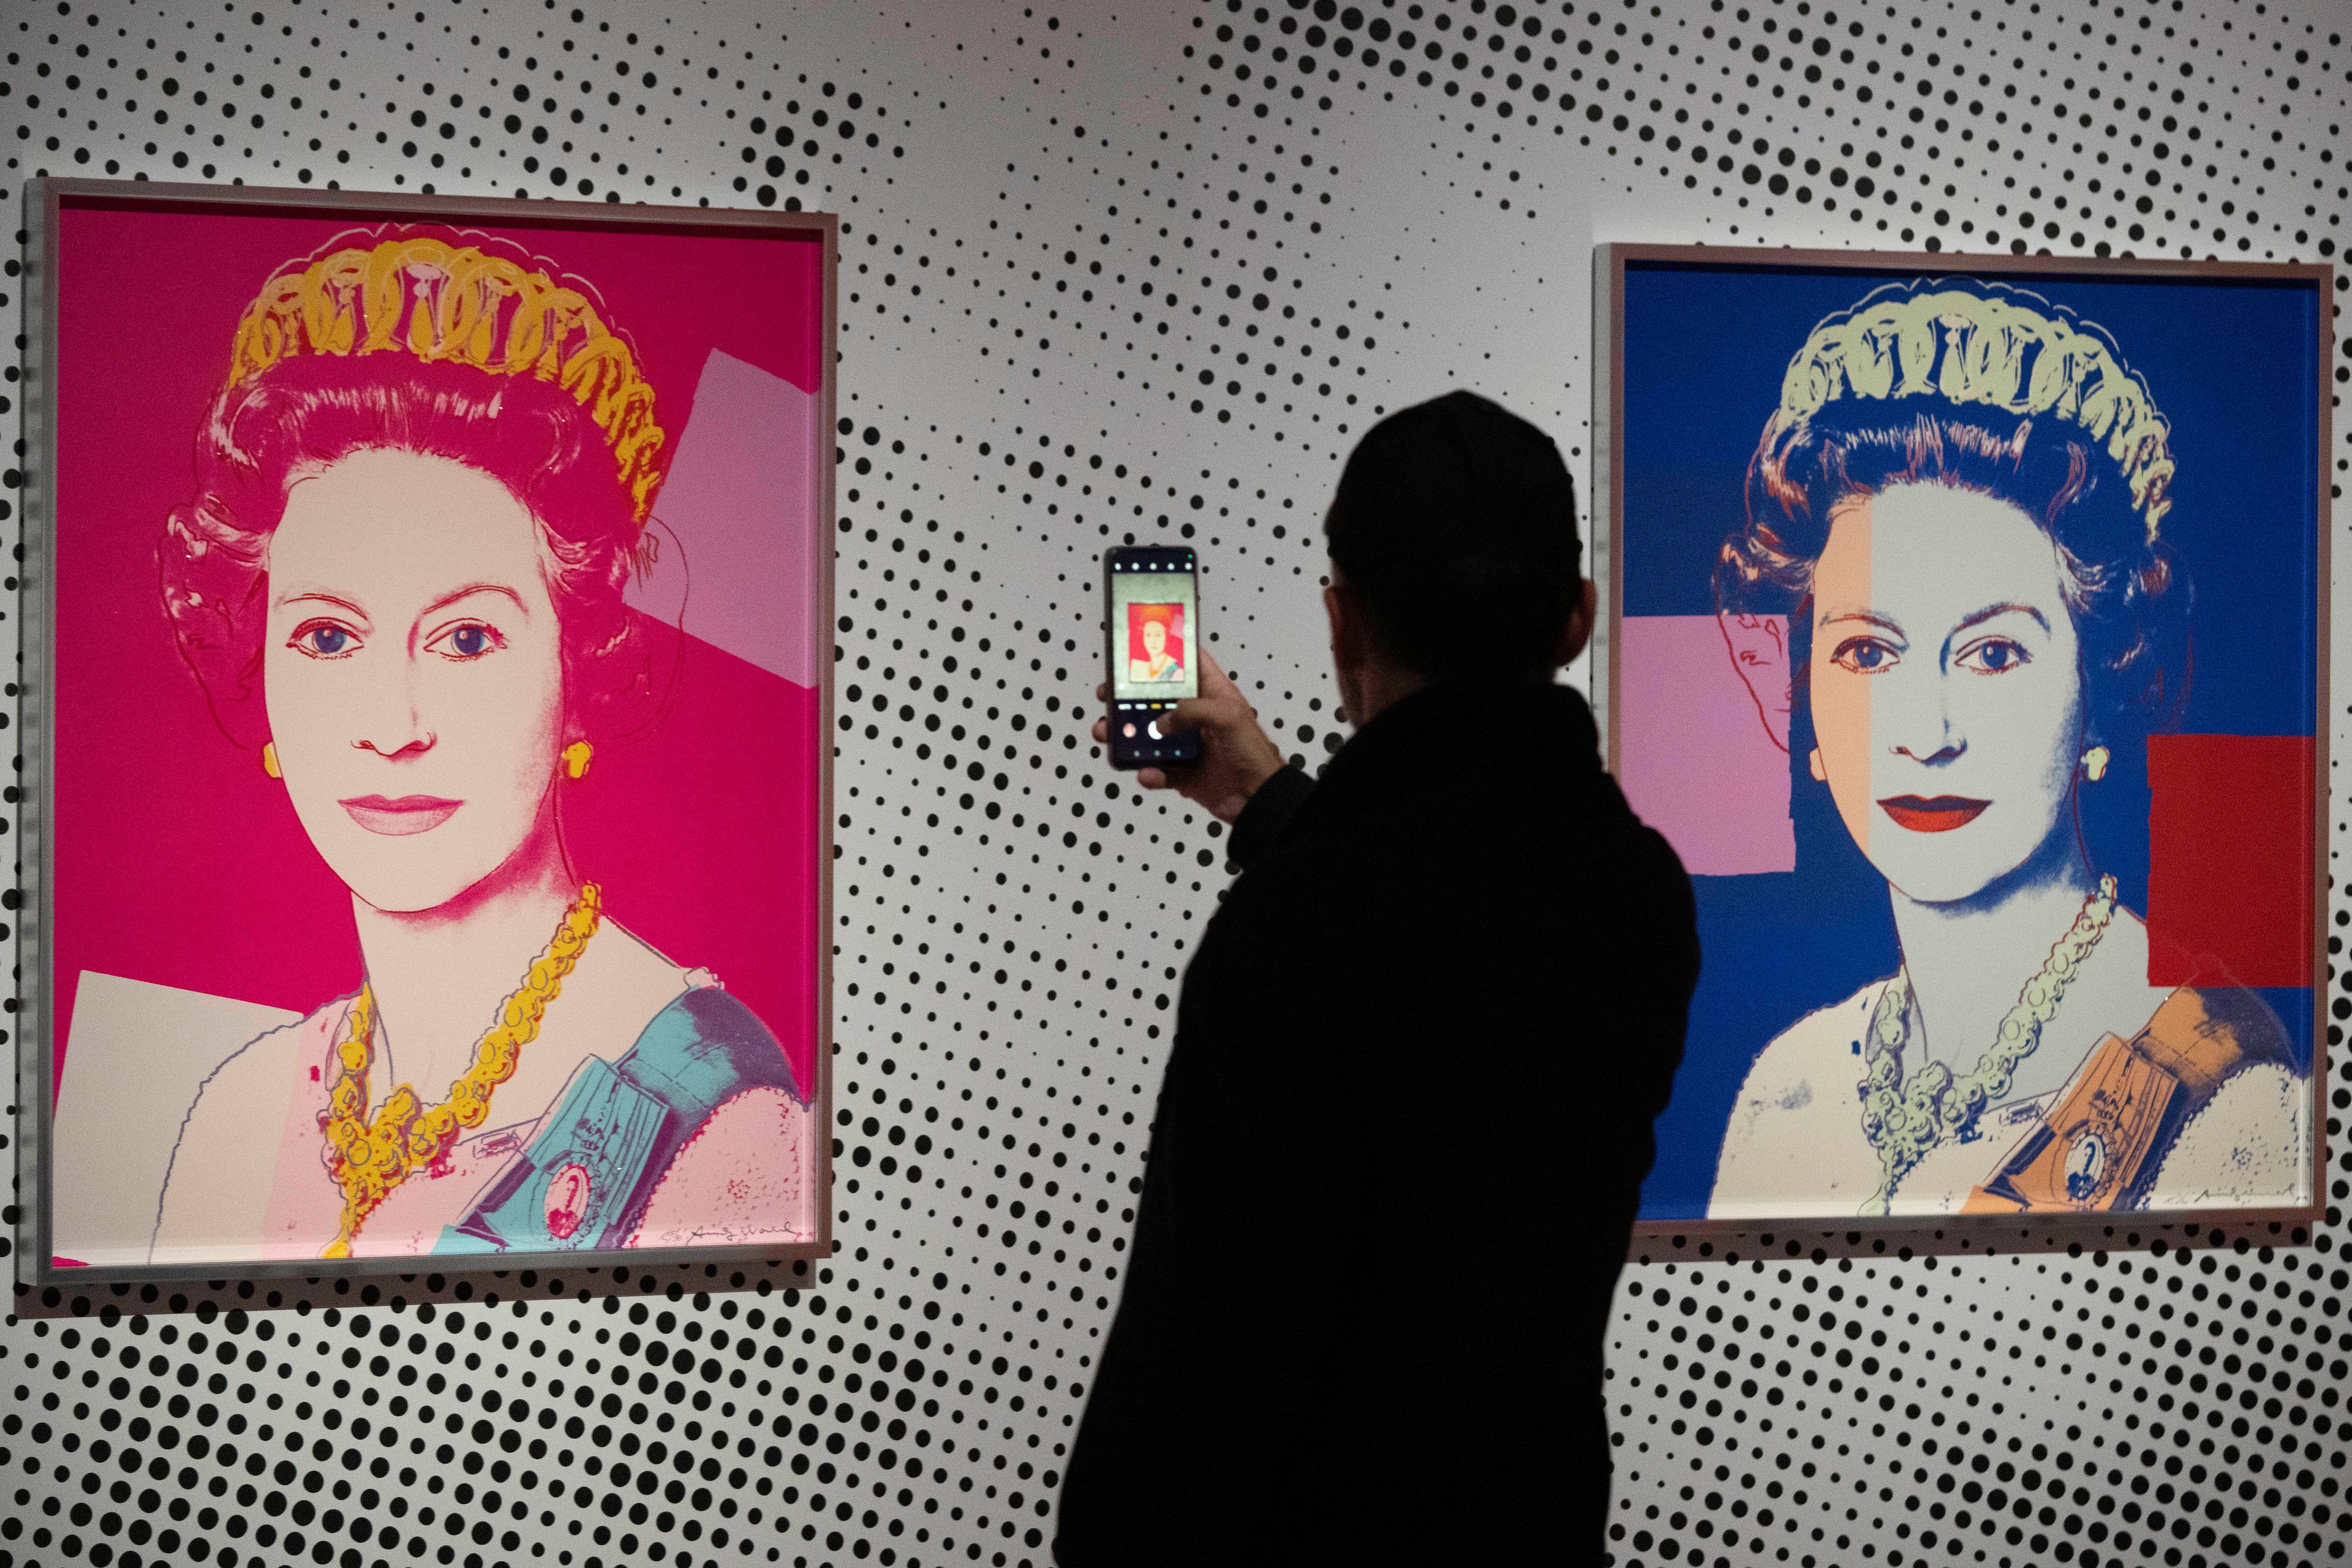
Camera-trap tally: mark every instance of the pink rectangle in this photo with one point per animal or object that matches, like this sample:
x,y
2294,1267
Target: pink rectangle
x,y
1700,758
738,522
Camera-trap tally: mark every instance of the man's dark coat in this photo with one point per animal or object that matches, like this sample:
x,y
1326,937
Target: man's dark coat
x,y
1403,1129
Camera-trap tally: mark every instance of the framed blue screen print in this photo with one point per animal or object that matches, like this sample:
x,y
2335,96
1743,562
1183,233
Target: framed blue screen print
x,y
1967,639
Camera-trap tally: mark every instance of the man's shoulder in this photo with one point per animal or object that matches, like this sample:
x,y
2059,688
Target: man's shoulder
x,y
1456,864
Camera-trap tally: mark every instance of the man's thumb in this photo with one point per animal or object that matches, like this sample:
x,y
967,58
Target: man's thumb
x,y
1193,712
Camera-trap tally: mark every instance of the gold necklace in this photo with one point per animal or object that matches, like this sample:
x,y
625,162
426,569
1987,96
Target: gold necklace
x,y
368,1159
1906,1116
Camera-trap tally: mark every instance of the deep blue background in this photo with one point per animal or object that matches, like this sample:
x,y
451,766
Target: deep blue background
x,y
2231,366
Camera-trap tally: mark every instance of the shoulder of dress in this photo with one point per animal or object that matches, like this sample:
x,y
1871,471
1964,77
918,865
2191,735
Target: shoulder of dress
x,y
2245,1144
273,1058
2259,1083
705,1047
2258,1032
2205,1036
329,1022
1840,1030
2260,1099
1794,1126
273,1050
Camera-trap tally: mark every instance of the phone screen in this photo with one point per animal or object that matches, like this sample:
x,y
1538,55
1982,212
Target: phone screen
x,y
1152,598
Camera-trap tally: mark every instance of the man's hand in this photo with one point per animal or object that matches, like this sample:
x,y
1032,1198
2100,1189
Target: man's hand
x,y
1235,754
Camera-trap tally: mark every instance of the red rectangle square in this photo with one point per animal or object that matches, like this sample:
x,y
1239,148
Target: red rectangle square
x,y
2230,859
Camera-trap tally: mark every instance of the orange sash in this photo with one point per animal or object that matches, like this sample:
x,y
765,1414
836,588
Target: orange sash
x,y
2116,1119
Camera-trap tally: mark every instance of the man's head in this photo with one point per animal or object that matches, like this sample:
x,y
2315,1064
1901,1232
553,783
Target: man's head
x,y
1456,554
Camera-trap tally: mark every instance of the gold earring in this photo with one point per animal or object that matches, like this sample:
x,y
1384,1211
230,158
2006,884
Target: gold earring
x,y
1821,774
269,759
2095,762
575,758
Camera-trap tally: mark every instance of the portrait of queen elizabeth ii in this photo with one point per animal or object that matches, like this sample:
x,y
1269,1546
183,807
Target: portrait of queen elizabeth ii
x,y
1954,593
406,581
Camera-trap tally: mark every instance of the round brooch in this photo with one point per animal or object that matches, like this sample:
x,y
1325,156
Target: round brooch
x,y
567,1201
2087,1165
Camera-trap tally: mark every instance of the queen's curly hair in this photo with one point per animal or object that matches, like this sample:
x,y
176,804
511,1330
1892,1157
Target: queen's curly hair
x,y
2127,592
266,431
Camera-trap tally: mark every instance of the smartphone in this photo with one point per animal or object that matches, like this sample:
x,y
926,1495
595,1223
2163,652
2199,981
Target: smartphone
x,y
1152,625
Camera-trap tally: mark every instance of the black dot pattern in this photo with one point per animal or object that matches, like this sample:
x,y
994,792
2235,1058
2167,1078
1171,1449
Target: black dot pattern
x,y
1108,278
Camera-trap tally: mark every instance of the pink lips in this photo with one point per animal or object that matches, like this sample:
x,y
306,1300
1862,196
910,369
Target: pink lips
x,y
397,818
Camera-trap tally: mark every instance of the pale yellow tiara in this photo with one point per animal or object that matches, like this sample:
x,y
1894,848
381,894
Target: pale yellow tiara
x,y
442,302
2010,351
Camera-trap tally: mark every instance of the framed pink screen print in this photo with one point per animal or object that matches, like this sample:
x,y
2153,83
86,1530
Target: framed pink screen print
x,y
428,686
1967,639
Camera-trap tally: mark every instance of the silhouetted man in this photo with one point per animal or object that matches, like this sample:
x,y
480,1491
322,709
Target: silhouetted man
x,y
1407,1113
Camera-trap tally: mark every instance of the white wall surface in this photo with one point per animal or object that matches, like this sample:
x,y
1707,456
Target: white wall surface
x,y
1013,177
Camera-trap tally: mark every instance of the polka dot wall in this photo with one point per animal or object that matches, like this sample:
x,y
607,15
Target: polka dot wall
x,y
1119,272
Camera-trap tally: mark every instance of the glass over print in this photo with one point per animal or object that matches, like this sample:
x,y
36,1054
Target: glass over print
x,y
1978,692
488,956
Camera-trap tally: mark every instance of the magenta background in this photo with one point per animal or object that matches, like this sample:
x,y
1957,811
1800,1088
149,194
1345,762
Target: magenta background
x,y
176,860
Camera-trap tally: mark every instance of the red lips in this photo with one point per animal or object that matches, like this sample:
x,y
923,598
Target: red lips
x,y
1939,814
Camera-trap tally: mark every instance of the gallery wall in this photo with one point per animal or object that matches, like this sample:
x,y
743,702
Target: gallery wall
x,y
1136,271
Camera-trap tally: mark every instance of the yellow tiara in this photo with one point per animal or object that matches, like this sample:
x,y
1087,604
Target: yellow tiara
x,y
441,302
2008,350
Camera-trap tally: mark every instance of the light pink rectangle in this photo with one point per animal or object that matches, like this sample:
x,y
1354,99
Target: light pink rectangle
x,y
1698,757
738,521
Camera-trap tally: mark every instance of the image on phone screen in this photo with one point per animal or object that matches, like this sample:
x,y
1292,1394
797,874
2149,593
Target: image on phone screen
x,y
1154,608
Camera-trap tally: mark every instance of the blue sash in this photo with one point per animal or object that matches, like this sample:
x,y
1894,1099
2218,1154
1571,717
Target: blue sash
x,y
623,1122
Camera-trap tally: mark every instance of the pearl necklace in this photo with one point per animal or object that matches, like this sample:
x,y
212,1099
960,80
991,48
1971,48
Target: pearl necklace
x,y
368,1159
1904,1117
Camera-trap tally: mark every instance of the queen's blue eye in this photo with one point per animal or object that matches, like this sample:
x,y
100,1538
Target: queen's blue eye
x,y
1864,655
1994,655
328,640
467,641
